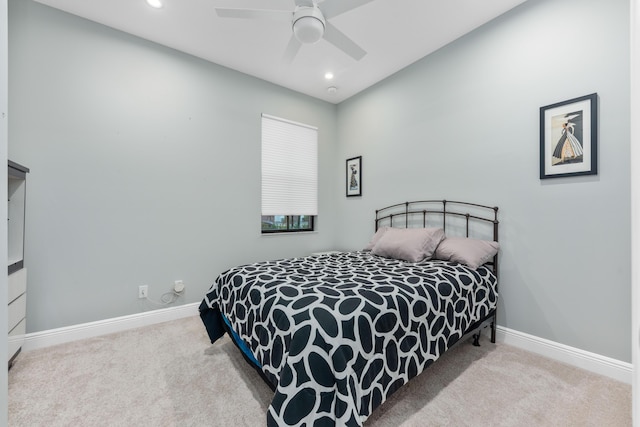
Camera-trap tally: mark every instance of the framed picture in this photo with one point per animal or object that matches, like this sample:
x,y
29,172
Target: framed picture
x,y
354,176
569,138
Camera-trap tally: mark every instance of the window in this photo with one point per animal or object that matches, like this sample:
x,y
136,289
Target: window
x,y
289,175
284,223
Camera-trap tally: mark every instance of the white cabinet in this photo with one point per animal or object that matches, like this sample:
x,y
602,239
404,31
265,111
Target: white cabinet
x,y
17,282
17,312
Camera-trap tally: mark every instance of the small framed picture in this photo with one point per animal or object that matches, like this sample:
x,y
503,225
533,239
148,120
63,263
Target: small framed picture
x,y
569,138
354,176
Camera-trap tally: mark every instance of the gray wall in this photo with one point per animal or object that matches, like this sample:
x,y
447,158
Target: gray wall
x,y
145,167
463,124
145,164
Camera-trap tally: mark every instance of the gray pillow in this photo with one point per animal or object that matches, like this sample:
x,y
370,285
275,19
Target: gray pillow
x,y
376,237
408,244
467,251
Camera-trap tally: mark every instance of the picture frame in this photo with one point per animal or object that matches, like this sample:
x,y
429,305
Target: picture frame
x,y
569,138
354,176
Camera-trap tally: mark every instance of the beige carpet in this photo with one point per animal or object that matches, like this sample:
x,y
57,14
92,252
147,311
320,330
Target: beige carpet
x,y
170,375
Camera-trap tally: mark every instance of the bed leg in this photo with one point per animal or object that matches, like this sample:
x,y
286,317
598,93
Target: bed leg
x,y
493,329
476,338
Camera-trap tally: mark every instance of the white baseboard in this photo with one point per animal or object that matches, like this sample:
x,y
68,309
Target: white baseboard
x,y
108,326
612,368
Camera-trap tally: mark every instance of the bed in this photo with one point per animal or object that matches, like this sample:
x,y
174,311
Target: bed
x,y
335,334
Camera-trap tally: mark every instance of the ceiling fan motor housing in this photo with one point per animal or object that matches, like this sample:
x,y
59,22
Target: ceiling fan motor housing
x,y
308,24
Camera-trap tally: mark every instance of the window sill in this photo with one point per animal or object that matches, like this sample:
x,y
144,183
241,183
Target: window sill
x,y
290,233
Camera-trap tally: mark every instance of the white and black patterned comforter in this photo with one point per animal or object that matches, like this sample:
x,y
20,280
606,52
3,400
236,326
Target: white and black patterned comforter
x,y
337,334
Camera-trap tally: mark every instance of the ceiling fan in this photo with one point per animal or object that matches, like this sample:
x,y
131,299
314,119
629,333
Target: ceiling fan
x,y
309,22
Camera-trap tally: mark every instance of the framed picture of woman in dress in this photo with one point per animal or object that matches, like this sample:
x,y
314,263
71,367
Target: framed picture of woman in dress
x,y
569,138
354,176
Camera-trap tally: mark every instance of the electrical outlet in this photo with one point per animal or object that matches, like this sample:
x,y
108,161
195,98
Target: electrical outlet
x,y
143,291
178,286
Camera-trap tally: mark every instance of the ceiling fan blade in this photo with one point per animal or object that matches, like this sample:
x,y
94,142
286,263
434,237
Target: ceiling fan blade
x,y
331,8
342,42
292,50
277,15
307,3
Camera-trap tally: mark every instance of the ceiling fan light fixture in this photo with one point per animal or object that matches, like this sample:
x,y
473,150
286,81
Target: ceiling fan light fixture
x,y
156,4
308,24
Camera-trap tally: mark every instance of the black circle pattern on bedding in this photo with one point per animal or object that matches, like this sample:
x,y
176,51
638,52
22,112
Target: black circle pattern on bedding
x,y
339,333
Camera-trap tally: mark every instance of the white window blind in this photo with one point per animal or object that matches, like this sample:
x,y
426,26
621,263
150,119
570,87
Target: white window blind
x,y
289,167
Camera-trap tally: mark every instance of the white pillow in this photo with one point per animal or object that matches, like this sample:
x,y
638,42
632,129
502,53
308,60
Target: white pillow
x,y
408,244
467,251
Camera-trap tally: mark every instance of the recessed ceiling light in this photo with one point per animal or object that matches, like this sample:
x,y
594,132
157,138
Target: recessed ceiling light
x,y
328,75
155,3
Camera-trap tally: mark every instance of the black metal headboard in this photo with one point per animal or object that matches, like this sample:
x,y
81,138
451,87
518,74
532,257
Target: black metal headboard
x,y
456,218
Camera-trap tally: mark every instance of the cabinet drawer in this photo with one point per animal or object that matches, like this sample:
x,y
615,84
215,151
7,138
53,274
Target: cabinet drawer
x,y
17,284
17,310
16,338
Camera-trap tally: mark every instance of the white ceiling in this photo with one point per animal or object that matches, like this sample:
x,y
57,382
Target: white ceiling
x,y
395,33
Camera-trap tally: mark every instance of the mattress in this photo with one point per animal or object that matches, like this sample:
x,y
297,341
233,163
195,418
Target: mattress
x,y
337,334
